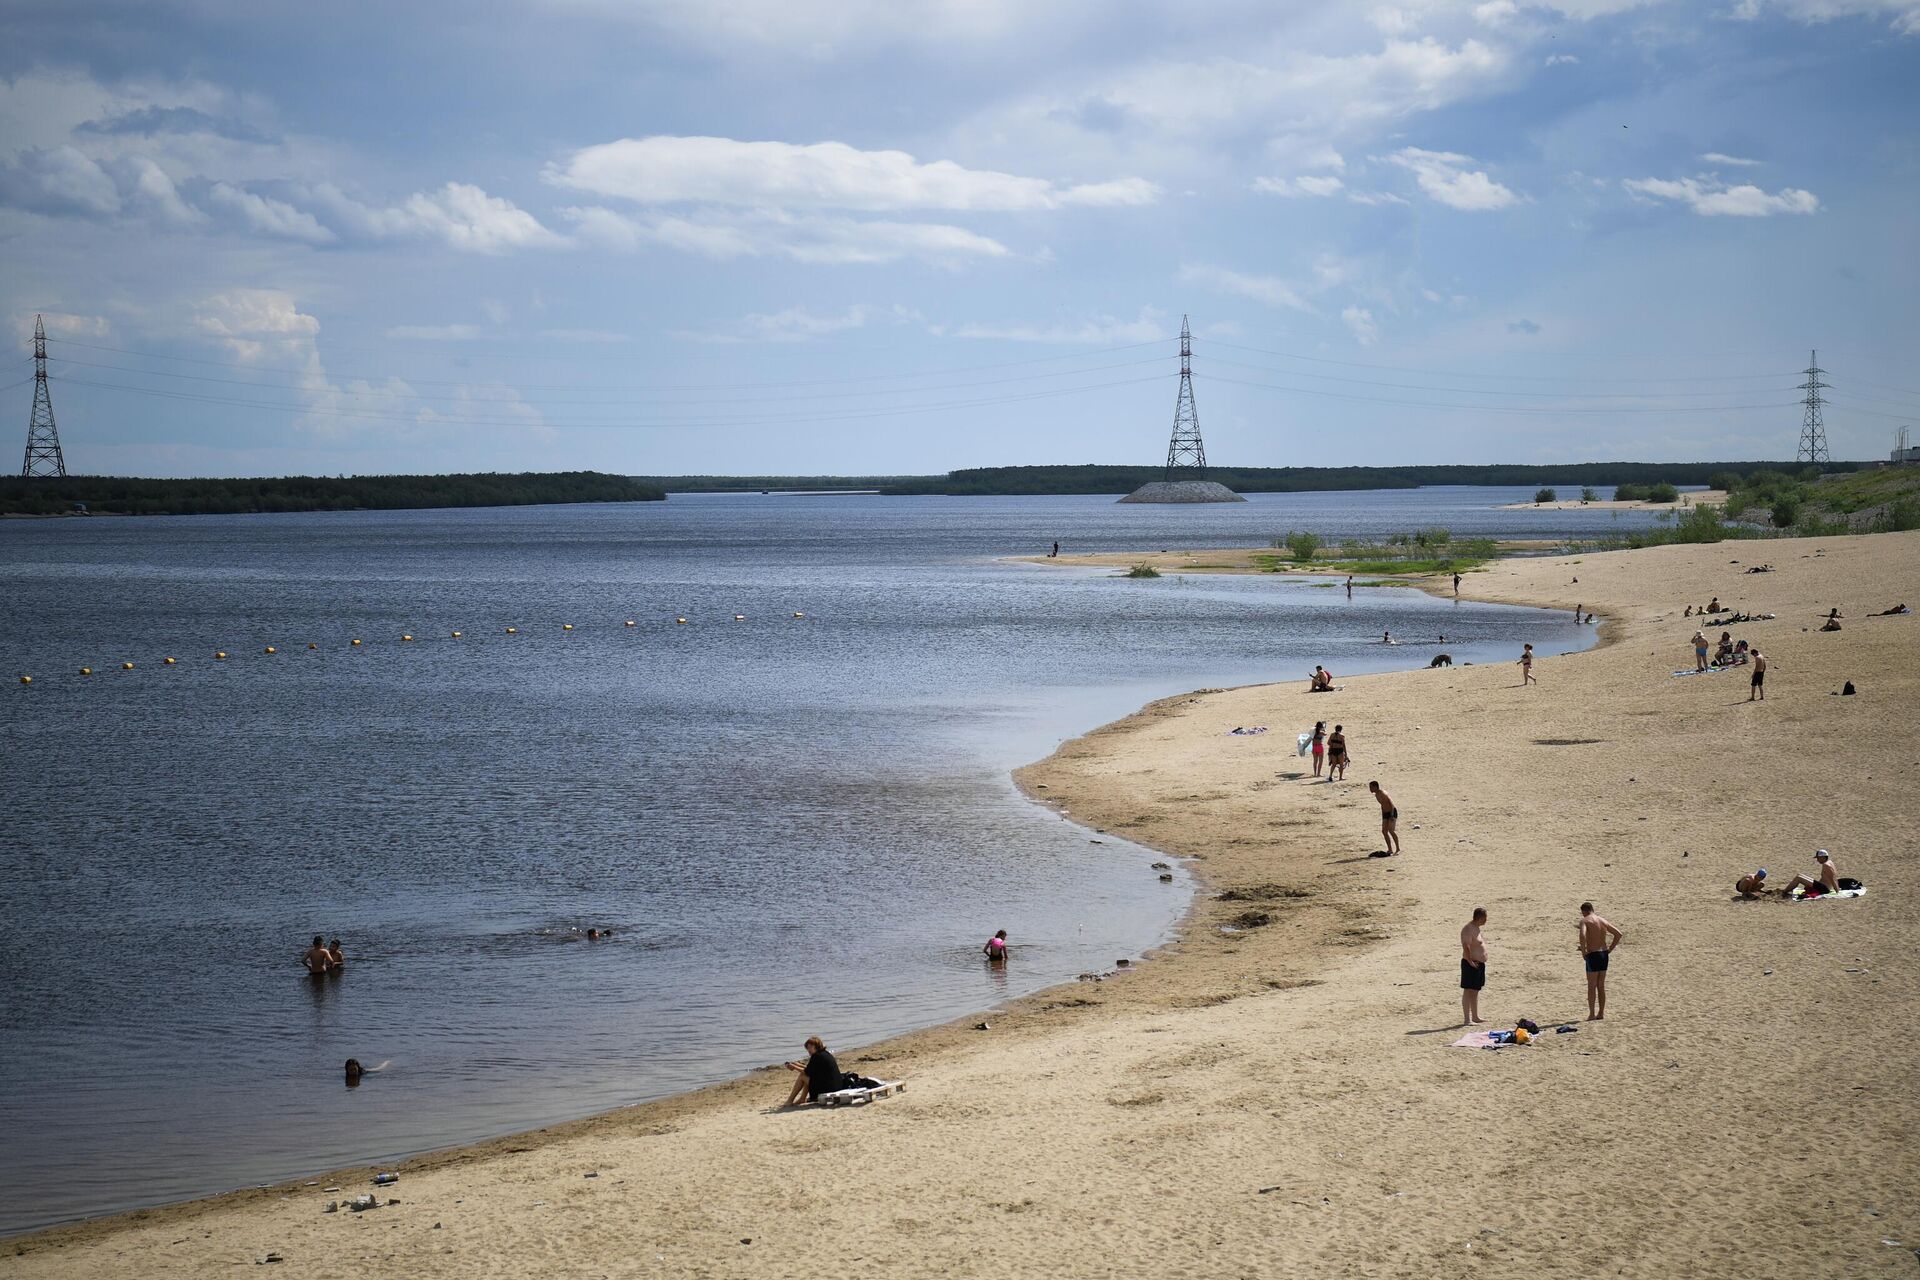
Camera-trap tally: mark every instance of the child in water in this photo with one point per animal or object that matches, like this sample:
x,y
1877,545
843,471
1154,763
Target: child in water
x,y
996,948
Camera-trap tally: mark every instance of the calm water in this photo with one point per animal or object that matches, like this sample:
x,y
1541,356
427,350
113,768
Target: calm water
x,y
794,825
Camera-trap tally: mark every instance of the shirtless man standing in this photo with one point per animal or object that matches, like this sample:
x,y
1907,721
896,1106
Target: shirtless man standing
x,y
1389,817
1598,938
317,958
1757,686
1473,968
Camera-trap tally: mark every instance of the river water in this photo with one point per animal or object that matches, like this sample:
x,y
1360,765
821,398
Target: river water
x,y
793,825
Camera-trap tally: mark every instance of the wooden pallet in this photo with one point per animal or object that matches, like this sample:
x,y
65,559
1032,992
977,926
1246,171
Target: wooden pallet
x,y
855,1097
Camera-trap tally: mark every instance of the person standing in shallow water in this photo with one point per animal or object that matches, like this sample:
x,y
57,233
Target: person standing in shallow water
x,y
317,959
1473,967
996,948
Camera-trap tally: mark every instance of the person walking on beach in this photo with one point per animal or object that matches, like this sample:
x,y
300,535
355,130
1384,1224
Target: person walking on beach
x,y
1473,968
1757,686
1526,666
1598,938
1699,651
1456,586
317,958
1389,818
1319,745
1349,586
1337,752
1056,549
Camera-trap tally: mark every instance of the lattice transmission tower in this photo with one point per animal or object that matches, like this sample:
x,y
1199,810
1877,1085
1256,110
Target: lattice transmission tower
x,y
43,438
1186,455
1813,432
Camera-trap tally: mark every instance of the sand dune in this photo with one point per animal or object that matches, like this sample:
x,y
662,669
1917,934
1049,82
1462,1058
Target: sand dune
x,y
1275,1094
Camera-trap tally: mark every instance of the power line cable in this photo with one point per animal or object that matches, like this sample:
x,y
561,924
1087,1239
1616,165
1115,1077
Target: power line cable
x,y
1513,377
1551,410
1475,391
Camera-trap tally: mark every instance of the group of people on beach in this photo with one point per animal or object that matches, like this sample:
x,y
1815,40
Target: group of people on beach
x,y
1825,880
1597,937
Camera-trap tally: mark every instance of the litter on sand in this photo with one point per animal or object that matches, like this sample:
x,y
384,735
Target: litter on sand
x,y
1248,732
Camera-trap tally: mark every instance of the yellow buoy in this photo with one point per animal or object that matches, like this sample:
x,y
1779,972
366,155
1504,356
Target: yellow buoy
x,y
356,642
513,631
566,626
26,679
86,671
456,635
170,661
630,622
271,649
220,653
126,666
406,637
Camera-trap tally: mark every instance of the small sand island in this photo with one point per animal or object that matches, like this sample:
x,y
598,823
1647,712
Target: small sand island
x,y
1278,1092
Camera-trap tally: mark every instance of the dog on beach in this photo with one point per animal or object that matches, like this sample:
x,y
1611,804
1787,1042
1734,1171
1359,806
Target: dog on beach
x,y
1440,660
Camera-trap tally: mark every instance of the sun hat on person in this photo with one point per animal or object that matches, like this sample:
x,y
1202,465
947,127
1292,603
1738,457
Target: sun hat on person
x,y
1821,853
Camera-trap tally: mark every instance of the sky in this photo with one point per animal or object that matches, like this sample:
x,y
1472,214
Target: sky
x,y
907,236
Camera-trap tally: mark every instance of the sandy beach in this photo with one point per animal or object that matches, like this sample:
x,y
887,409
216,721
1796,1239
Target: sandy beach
x,y
1691,497
1275,1094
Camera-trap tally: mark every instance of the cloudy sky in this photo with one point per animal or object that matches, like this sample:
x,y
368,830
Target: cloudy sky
x,y
867,236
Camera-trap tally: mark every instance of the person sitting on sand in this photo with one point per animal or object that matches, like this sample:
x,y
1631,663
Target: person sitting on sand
x,y
996,948
1834,615
1688,613
1723,654
1337,752
317,958
1827,880
819,1074
1321,681
1830,625
337,959
1713,606
1752,886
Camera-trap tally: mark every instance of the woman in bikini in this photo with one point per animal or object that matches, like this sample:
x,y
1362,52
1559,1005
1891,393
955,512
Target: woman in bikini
x,y
1319,745
1337,752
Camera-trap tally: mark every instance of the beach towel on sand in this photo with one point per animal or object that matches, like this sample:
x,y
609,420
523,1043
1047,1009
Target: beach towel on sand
x,y
1481,1040
1691,672
1860,892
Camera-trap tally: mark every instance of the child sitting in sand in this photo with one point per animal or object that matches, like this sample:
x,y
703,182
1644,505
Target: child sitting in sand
x,y
1752,886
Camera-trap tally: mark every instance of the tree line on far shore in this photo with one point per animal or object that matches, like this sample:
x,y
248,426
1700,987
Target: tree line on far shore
x,y
120,495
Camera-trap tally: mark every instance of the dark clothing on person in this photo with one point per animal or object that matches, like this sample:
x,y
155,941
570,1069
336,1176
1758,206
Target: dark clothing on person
x,y
823,1073
1597,961
1473,977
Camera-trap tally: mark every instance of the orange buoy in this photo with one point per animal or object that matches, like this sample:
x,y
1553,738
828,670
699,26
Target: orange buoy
x,y
271,649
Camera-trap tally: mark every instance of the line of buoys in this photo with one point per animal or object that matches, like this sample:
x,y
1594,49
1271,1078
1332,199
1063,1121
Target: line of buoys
x,y
220,655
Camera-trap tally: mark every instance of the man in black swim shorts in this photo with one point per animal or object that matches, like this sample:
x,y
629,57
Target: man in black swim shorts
x,y
1473,967
1598,938
1389,818
1758,687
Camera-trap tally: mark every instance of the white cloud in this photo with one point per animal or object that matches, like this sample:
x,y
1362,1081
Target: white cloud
x,y
1710,197
1100,330
726,234
585,335
1496,13
467,218
1268,289
821,175
1444,177
1375,197
1902,15
435,332
59,180
1563,59
798,324
1321,185
1720,157
149,190
1359,321
269,216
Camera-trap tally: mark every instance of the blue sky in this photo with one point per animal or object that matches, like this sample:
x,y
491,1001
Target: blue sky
x,y
884,236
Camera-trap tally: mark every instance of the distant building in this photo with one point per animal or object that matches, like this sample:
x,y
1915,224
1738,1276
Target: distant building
x,y
1909,454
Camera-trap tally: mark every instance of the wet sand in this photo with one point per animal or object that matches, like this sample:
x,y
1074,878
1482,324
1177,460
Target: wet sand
x,y
1275,1094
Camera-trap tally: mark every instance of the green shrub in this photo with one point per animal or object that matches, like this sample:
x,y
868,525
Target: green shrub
x,y
1430,539
1900,517
1587,493
1302,544
1630,493
1143,571
1725,481
1545,495
1786,511
1662,492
